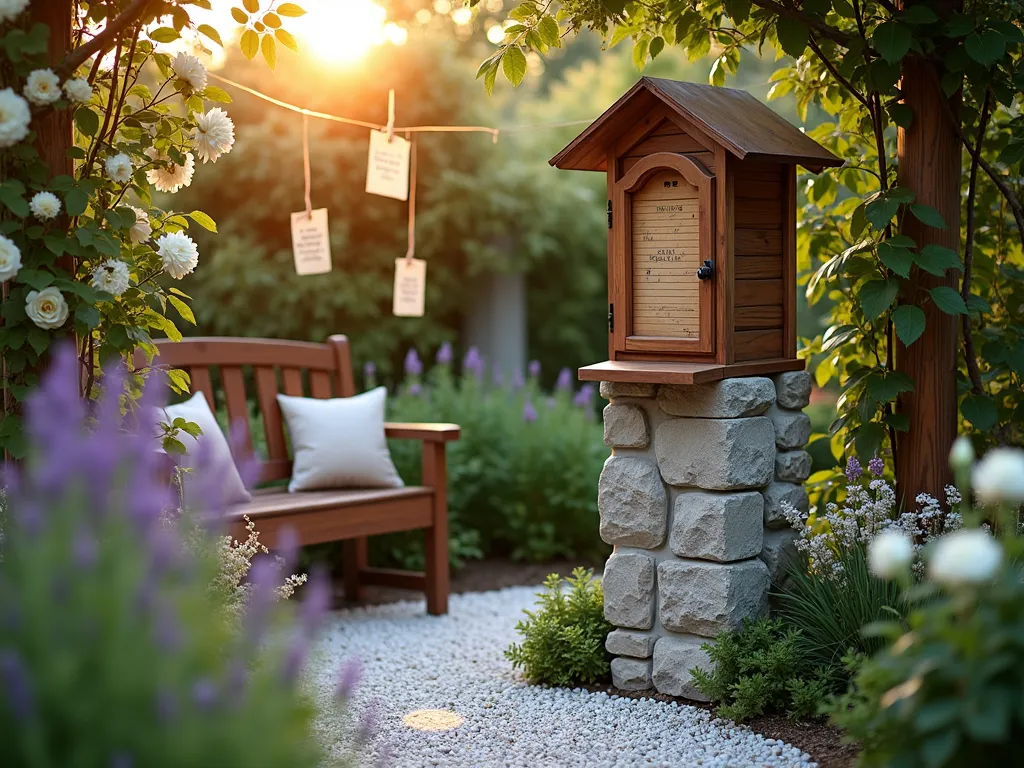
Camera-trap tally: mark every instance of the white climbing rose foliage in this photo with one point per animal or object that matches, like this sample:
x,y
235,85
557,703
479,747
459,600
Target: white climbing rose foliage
x,y
179,254
167,175
42,87
15,116
999,476
77,89
112,276
214,135
44,205
190,69
141,230
118,168
10,259
46,308
968,556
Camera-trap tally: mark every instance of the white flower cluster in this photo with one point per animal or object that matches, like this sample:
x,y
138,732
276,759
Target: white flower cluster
x,y
11,9
112,276
178,252
167,175
190,69
42,87
15,116
867,513
44,205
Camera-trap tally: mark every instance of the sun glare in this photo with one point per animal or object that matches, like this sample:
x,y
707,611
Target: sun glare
x,y
343,31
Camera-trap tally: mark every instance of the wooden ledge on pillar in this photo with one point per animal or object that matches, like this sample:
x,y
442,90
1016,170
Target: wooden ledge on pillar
x,y
661,372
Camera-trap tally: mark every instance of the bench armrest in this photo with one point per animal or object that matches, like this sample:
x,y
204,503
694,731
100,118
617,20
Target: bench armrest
x,y
427,432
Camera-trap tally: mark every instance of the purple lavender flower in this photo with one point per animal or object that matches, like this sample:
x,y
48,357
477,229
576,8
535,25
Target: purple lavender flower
x,y
204,693
166,705
552,403
584,397
529,412
16,686
288,546
517,379
498,379
294,658
533,369
166,632
413,366
85,550
564,382
415,389
384,755
348,679
474,363
121,760
853,469
316,600
370,370
445,355
367,724
876,466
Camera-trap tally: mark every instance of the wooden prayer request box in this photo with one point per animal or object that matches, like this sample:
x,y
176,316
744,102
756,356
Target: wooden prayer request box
x,y
701,232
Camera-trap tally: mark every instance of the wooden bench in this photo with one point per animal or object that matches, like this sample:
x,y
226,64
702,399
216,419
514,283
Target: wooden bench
x,y
323,516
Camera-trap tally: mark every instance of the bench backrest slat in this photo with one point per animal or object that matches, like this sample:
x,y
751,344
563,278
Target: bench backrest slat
x,y
328,366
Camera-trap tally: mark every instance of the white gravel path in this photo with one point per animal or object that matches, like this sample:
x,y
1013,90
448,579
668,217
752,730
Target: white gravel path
x,y
454,663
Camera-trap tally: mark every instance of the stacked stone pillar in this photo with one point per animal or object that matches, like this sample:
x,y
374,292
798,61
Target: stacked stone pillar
x,y
691,499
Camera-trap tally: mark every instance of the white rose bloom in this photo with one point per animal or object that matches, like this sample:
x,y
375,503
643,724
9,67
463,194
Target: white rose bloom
x,y
214,135
179,254
142,229
42,87
190,69
10,258
169,176
14,117
119,168
78,90
961,455
967,556
44,205
999,476
890,554
46,308
11,9
112,276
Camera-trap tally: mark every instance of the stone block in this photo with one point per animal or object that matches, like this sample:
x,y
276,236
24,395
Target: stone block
x,y
792,428
625,426
622,642
793,389
779,554
702,598
633,504
717,526
629,590
613,389
674,657
726,399
774,496
716,454
792,466
631,674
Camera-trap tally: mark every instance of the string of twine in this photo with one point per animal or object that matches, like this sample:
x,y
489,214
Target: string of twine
x,y
305,162
400,129
412,199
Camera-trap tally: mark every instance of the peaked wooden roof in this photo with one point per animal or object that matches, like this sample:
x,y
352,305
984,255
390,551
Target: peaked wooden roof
x,y
733,118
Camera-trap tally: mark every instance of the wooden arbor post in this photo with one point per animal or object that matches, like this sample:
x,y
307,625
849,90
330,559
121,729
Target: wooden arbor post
x,y
929,153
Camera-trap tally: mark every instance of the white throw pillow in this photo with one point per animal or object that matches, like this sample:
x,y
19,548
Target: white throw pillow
x,y
339,443
218,452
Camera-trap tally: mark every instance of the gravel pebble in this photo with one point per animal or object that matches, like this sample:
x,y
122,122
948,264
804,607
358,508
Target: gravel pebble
x,y
417,662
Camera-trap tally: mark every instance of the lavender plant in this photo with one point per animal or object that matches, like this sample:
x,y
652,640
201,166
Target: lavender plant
x,y
869,509
109,651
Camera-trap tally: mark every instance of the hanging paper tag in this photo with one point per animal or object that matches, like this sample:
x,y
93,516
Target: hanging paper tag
x,y
311,242
410,287
387,173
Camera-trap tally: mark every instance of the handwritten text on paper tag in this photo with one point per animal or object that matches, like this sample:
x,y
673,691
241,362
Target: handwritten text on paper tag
x,y
387,172
410,287
311,242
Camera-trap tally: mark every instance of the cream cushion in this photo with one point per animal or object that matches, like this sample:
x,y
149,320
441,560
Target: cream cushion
x,y
339,443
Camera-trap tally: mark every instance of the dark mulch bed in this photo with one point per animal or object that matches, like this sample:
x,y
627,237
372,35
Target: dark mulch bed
x,y
817,738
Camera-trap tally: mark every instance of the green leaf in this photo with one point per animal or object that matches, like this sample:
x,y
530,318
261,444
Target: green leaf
x,y
290,9
936,259
792,35
210,32
986,46
639,53
657,46
490,76
269,48
513,64
896,258
87,315
959,24
37,279
880,211
737,10
164,35
285,38
909,322
13,200
183,309
980,411
927,215
250,44
919,14
87,121
876,296
213,93
173,445
886,386
76,201
892,40
1012,152
901,114
38,339
547,28
180,382
939,748
948,300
